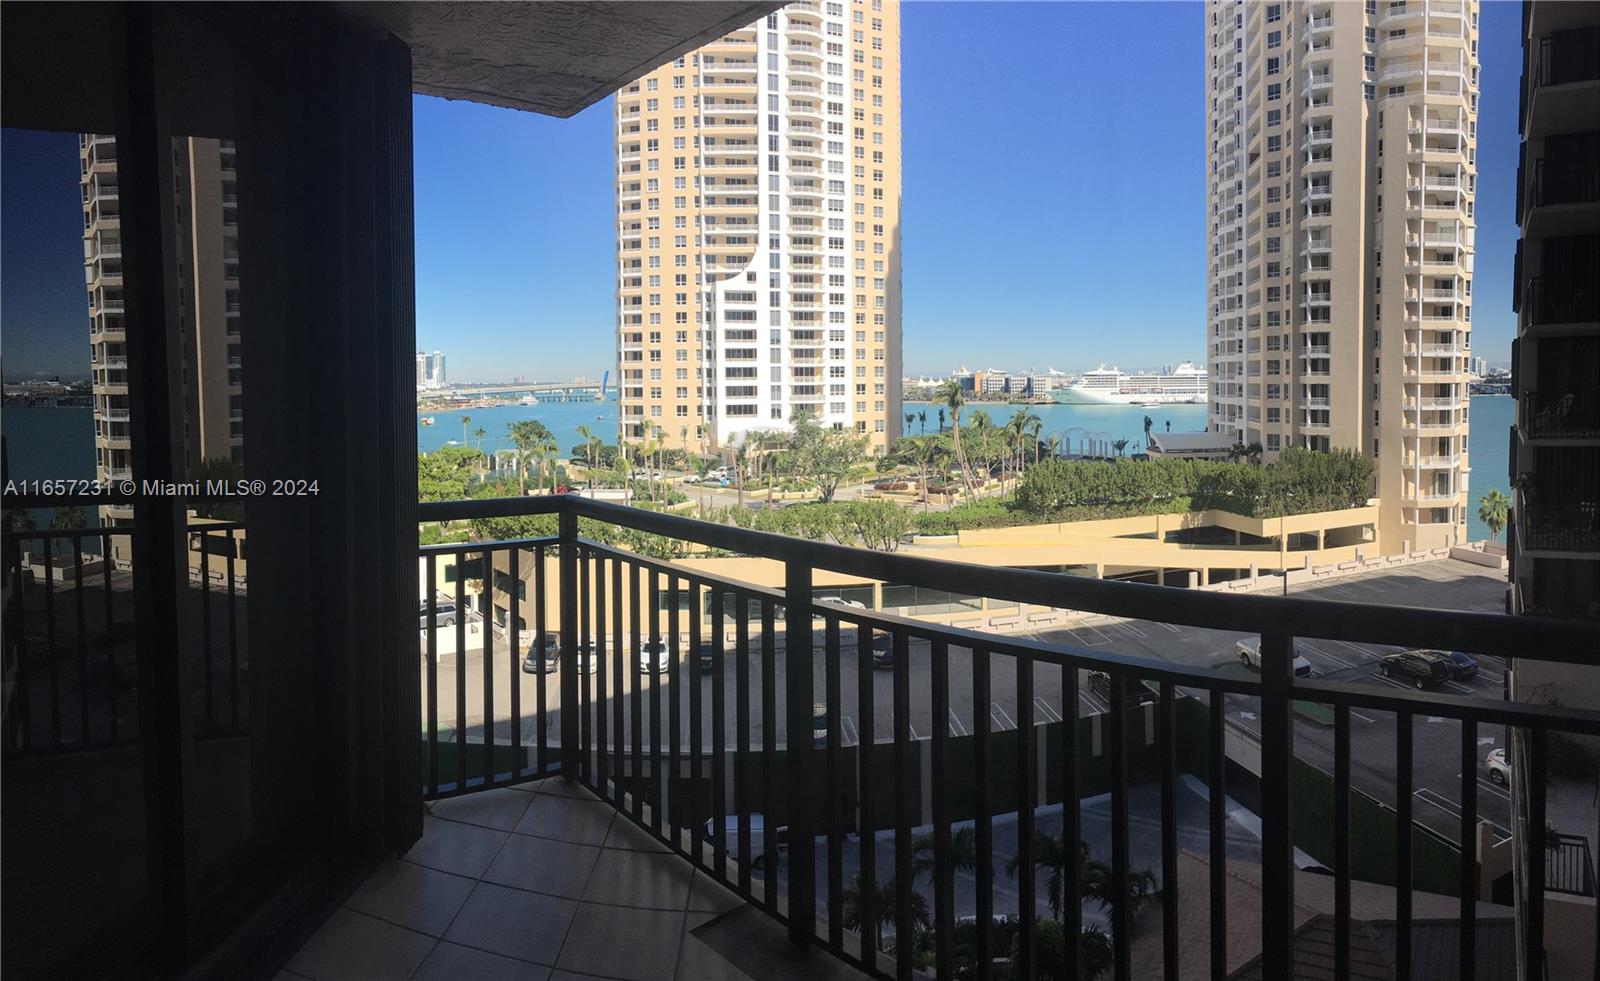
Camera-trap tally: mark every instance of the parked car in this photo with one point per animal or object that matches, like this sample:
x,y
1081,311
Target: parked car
x,y
819,726
758,838
654,656
882,651
444,614
1416,667
706,652
692,478
1249,654
1499,769
1457,663
1135,695
543,658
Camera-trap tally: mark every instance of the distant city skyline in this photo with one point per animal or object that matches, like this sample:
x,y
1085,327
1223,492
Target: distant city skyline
x,y
1109,264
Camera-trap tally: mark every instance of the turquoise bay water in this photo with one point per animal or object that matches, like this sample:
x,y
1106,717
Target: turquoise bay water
x,y
48,443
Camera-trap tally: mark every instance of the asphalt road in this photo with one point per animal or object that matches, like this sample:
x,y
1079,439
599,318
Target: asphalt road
x,y
1436,770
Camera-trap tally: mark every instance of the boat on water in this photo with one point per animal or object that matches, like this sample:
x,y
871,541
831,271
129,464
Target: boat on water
x,y
426,420
1108,386
528,400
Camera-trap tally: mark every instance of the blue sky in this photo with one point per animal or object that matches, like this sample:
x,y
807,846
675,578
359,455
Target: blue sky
x,y
1022,125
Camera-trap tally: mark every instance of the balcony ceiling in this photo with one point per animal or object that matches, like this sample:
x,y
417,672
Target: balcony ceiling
x,y
556,58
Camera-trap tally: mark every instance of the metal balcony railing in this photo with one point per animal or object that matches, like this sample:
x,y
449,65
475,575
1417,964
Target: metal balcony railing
x,y
1559,526
1560,301
1560,414
71,680
710,712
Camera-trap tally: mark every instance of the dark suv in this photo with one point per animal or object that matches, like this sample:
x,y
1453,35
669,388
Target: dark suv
x,y
1417,667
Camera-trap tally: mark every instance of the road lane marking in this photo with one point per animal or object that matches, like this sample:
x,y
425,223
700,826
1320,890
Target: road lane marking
x,y
913,731
1130,628
847,726
956,726
1320,652
1101,642
1170,626
999,715
1046,709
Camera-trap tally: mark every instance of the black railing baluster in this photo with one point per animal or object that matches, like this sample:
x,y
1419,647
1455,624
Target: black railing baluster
x,y
602,700
983,820
24,674
111,638
1468,843
620,774
1027,800
487,558
799,700
430,624
906,809
514,652
463,614
636,778
233,631
1277,843
696,769
833,765
50,640
541,631
581,659
204,538
769,757
1216,807
719,737
83,640
1071,816
567,612
1341,842
1534,784
943,867
866,884
1168,753
741,732
1117,760
674,768
655,794
1404,733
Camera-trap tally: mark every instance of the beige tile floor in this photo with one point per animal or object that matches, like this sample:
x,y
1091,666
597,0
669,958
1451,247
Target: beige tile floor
x,y
544,881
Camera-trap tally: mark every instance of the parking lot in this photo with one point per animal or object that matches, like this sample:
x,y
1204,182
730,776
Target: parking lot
x,y
1437,773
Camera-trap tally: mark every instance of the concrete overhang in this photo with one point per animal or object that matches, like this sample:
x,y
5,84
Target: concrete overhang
x,y
556,58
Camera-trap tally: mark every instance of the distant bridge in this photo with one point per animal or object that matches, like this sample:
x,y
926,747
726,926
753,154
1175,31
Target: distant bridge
x,y
577,390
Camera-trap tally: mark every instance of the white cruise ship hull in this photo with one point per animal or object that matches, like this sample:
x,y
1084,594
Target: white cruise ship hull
x,y
1075,395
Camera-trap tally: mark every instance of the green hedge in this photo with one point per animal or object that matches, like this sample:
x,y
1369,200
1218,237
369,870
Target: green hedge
x,y
1299,482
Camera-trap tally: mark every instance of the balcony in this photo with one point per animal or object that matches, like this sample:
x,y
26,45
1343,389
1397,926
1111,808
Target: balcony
x,y
1550,303
1569,527
1562,200
1562,93
598,864
1559,415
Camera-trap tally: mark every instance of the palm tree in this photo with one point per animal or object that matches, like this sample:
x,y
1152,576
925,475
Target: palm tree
x,y
1493,508
1119,446
526,434
922,420
1253,452
950,396
589,441
1050,855
963,853
1034,429
911,417
465,421
1053,446
883,903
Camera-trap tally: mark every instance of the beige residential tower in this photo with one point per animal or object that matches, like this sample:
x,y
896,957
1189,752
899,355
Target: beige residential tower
x,y
758,232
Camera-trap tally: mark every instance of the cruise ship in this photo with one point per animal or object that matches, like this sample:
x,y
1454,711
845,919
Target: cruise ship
x,y
1108,386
